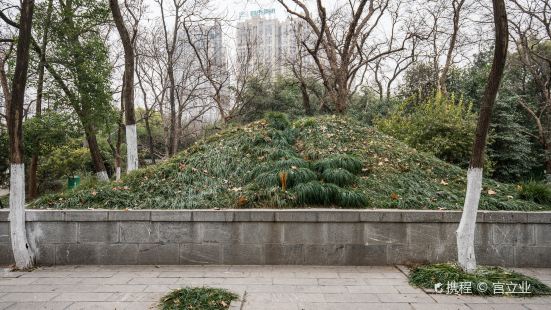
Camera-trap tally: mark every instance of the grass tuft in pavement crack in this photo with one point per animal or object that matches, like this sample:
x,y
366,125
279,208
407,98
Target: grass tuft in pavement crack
x,y
204,298
493,278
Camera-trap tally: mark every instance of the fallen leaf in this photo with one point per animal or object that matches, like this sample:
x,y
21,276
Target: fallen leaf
x,y
491,192
443,182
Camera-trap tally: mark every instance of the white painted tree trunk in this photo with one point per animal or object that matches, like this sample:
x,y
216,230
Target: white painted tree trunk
x,y
102,176
465,231
131,148
117,173
22,252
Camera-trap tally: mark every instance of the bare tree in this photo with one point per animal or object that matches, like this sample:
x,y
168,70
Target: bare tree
x,y
450,32
201,34
531,24
149,109
387,69
189,85
23,254
457,6
154,77
465,231
300,64
345,41
243,68
170,40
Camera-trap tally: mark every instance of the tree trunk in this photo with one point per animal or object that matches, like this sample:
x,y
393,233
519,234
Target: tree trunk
x,y
172,137
466,230
118,160
449,56
342,100
305,98
127,89
149,138
120,126
548,163
23,254
146,119
33,183
97,160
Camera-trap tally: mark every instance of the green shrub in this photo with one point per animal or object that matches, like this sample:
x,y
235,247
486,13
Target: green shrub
x,y
443,126
428,275
537,192
204,298
277,120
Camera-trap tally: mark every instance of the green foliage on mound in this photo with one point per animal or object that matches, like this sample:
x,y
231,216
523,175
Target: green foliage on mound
x,y
273,163
204,298
535,191
494,277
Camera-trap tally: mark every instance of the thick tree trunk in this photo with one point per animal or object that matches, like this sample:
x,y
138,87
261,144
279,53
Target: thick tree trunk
x,y
23,254
342,100
305,98
127,88
97,160
466,230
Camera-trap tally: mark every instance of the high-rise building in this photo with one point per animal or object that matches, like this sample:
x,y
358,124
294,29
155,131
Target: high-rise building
x,y
266,43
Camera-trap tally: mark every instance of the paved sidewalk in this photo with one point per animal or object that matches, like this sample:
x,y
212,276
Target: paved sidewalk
x,y
264,287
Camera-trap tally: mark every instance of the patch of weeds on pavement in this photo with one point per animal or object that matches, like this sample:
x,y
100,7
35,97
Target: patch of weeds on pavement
x,y
450,279
13,268
200,298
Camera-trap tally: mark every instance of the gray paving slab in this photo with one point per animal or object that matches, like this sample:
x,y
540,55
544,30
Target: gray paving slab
x,y
5,305
266,287
39,305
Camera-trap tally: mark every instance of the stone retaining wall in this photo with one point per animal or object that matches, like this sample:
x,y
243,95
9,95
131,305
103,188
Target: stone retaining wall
x,y
295,237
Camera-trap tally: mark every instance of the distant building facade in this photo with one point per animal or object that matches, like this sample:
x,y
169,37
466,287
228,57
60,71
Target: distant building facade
x,y
266,43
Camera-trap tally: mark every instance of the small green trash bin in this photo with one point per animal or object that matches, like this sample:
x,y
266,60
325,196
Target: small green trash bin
x,y
73,181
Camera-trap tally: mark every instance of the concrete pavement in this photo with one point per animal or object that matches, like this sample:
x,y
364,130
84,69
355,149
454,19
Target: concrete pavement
x,y
264,287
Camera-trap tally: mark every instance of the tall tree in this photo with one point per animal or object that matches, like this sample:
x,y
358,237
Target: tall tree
x,y
531,25
465,231
343,41
80,62
127,88
22,252
33,184
200,32
170,42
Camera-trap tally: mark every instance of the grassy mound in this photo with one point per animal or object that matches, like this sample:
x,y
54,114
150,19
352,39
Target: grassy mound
x,y
493,281
273,163
204,298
